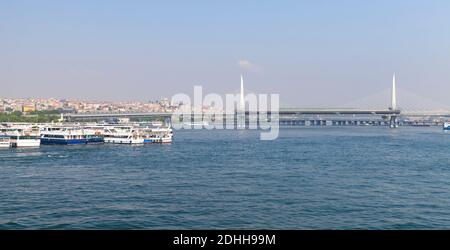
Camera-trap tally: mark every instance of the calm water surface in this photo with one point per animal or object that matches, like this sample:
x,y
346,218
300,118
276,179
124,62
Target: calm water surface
x,y
310,178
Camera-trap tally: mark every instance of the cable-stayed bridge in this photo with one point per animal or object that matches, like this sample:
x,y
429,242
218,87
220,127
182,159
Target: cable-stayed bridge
x,y
372,110
409,103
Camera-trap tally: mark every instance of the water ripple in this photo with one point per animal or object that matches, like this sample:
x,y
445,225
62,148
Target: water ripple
x,y
310,178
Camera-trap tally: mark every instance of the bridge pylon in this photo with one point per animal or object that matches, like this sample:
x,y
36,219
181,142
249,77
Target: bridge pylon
x,y
393,121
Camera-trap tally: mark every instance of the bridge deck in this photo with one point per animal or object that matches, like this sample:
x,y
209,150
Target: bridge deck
x,y
290,111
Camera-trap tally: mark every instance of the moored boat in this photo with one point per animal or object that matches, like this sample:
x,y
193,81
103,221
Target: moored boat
x,y
157,135
122,135
447,126
23,136
5,141
69,136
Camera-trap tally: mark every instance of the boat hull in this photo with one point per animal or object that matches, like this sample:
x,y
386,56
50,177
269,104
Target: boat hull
x,y
158,140
153,140
25,143
53,141
166,140
95,140
123,141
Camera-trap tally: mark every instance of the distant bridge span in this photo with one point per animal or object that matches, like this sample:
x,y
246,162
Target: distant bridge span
x,y
337,111
282,112
393,112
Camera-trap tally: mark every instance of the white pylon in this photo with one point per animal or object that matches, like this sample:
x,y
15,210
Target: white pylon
x,y
394,95
241,101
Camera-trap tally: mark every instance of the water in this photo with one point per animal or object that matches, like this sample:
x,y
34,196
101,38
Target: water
x,y
310,178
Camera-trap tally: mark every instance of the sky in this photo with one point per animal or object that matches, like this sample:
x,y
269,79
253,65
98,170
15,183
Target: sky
x,y
312,53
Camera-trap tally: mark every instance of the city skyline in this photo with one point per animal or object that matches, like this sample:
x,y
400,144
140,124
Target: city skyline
x,y
314,54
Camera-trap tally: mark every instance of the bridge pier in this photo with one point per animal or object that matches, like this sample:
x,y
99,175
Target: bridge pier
x,y
393,122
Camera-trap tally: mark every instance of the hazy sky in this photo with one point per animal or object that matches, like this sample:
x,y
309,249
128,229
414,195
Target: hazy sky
x,y
313,53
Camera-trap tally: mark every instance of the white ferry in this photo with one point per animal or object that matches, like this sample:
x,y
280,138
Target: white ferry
x,y
23,136
69,136
122,135
5,141
157,135
447,126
